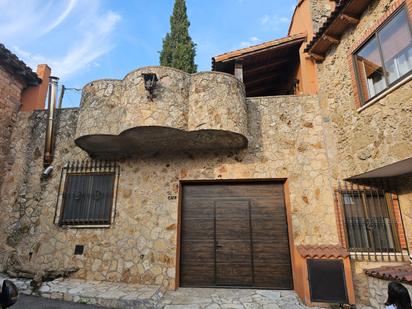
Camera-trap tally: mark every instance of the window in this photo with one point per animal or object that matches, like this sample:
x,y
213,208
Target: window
x,y
369,222
386,57
88,194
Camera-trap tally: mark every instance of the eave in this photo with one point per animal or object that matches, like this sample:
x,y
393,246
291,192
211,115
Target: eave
x,y
346,15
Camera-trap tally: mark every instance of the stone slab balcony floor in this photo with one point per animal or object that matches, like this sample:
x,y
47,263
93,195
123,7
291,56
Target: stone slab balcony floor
x,y
122,295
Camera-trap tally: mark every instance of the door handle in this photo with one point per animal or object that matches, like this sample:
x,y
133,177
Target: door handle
x,y
218,246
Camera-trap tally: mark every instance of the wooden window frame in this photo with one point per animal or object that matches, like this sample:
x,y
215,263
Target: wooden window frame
x,y
360,103
86,168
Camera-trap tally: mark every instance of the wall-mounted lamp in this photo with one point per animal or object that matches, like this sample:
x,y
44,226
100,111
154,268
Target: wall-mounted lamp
x,y
150,80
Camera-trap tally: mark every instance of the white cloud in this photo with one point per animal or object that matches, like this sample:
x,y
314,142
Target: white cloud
x,y
252,41
62,16
72,41
273,22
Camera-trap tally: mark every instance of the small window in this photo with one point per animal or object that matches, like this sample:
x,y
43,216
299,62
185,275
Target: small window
x,y
88,194
369,221
386,57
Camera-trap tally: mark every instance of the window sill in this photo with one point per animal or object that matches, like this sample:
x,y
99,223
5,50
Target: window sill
x,y
385,93
380,256
100,226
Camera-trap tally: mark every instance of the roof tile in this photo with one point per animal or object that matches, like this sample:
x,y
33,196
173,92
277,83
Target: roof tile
x,y
402,273
322,251
262,46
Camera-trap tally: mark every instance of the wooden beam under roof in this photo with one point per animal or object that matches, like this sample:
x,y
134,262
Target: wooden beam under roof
x,y
317,57
262,79
330,39
349,19
265,66
273,86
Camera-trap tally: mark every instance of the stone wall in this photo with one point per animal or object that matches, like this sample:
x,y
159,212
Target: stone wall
x,y
377,136
378,290
320,10
360,141
286,141
10,101
361,280
208,100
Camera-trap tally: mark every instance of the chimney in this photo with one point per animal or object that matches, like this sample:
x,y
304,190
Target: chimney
x,y
35,97
49,143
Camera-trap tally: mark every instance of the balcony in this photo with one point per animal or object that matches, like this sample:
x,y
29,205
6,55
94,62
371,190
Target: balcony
x,y
186,112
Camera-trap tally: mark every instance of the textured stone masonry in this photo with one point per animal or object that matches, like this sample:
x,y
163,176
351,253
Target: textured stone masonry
x,y
140,246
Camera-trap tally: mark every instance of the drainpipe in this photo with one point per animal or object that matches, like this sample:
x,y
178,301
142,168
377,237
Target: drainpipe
x,y
48,150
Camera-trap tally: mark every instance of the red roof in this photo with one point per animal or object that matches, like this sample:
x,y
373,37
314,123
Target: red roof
x,y
402,273
256,48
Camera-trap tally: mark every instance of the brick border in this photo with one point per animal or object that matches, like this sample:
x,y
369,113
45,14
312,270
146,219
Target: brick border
x,y
365,36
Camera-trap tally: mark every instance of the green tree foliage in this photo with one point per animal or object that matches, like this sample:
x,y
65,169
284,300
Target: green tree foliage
x,y
178,50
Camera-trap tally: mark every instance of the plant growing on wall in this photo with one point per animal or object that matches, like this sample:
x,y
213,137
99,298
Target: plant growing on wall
x,y
178,50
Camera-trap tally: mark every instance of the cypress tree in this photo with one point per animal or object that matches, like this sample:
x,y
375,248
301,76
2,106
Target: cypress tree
x,y
178,50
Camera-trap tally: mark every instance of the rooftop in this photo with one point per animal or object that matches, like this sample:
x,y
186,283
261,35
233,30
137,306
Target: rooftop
x,y
12,64
345,15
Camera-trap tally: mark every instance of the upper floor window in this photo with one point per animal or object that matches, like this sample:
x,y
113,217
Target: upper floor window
x,y
386,57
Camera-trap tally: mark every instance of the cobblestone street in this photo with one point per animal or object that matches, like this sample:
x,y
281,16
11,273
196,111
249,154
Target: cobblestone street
x,y
80,293
230,299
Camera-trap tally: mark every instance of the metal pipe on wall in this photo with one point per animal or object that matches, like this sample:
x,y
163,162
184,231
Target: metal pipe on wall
x,y
48,150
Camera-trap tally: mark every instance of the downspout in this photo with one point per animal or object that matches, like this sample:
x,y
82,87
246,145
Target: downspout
x,y
48,150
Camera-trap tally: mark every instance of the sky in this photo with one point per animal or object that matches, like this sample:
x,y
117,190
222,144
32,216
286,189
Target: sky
x,y
85,40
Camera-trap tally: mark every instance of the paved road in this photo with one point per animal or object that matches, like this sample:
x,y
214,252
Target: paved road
x,y
32,302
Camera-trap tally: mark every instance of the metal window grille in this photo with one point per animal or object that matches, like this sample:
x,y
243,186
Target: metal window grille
x,y
371,220
87,193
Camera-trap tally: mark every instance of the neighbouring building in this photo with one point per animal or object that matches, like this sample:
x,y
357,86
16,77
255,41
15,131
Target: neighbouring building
x,y
287,167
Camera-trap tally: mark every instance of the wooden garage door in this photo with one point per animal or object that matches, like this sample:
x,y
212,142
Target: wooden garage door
x,y
234,234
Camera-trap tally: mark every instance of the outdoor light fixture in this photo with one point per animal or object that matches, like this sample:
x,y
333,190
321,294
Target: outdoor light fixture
x,y
150,80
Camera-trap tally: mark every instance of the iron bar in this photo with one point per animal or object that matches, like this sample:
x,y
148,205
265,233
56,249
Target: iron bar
x,y
90,189
367,210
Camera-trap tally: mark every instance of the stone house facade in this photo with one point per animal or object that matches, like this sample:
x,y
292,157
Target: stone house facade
x,y
237,177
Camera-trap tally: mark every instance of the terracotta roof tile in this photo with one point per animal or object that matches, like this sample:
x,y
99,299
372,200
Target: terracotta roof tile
x,y
402,273
15,66
259,47
357,7
323,251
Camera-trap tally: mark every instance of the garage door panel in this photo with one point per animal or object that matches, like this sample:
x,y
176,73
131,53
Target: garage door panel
x,y
269,229
229,190
198,251
244,232
232,209
272,207
205,274
273,275
194,208
234,251
232,229
234,274
198,228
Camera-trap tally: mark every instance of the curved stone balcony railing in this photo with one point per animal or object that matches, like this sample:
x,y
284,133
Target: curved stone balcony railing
x,y
201,112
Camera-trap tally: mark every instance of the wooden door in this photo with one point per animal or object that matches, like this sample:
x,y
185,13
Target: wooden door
x,y
233,243
234,234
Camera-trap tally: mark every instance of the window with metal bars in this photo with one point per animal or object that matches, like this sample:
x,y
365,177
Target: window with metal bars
x,y
369,221
88,193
